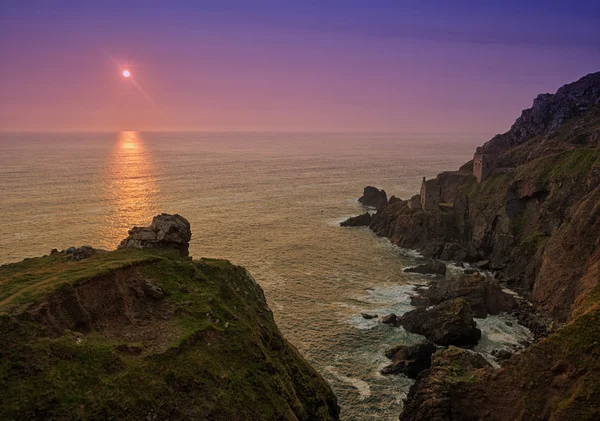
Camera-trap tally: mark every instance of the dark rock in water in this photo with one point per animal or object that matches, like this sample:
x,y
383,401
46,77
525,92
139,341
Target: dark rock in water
x,y
390,319
374,197
357,221
448,323
435,267
166,232
483,294
419,300
368,316
439,394
501,354
409,360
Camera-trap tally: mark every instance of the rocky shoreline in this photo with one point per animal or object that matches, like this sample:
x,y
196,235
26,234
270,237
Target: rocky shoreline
x,y
529,224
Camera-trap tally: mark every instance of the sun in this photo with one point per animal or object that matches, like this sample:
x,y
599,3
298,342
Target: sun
x,y
126,73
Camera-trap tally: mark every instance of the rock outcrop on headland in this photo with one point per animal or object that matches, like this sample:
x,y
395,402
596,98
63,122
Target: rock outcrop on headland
x,y
549,113
165,232
141,333
373,197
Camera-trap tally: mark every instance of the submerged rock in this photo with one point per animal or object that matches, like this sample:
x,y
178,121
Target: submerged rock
x,y
435,267
374,197
357,221
368,316
165,232
409,360
448,323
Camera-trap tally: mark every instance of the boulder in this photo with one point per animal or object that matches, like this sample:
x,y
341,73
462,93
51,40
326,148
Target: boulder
x,y
165,232
390,319
448,323
501,354
374,197
368,316
409,360
78,253
357,221
483,294
435,267
443,393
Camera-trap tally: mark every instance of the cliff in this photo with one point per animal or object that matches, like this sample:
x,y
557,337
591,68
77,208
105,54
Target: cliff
x,y
143,333
536,217
535,221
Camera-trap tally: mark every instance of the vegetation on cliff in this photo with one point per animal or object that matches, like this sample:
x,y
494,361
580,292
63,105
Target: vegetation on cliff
x,y
535,221
535,217
147,334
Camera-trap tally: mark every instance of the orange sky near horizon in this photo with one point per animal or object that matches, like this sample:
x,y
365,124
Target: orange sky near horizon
x,y
233,74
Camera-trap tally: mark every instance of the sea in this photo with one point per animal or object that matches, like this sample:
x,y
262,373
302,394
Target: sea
x,y
271,202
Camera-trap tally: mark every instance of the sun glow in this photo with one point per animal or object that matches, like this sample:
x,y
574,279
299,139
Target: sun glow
x,y
126,73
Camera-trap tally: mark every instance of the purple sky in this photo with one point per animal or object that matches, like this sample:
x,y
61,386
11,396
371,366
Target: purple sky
x,y
411,67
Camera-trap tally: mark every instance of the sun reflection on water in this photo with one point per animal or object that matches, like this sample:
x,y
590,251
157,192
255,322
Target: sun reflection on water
x,y
130,183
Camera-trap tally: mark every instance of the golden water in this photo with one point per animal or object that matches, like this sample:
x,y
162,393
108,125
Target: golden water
x,y
269,202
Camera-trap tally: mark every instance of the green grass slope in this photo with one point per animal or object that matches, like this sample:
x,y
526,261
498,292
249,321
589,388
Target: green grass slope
x,y
146,335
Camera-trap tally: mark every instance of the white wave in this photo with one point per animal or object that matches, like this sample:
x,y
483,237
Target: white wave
x,y
501,332
411,253
363,388
383,301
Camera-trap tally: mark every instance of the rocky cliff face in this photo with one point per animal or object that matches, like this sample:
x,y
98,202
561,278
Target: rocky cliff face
x,y
537,221
145,334
549,112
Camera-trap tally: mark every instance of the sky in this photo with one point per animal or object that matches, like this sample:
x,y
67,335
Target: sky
x,y
440,67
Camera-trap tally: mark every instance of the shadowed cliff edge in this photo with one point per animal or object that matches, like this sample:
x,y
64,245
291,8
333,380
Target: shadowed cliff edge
x,y
145,333
527,211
